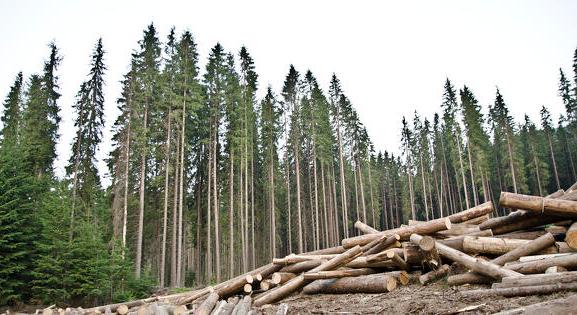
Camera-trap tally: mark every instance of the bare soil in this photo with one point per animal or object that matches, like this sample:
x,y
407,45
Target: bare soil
x,y
412,299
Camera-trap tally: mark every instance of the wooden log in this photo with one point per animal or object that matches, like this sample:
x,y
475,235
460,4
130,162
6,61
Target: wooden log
x,y
456,242
477,220
537,279
293,259
558,306
266,285
219,307
571,236
431,256
535,220
378,283
402,276
527,249
524,235
458,230
326,251
555,269
549,206
122,310
206,307
282,277
499,246
539,257
521,291
397,260
365,228
412,254
388,242
247,288
229,306
425,228
539,266
302,266
484,267
361,262
331,274
428,227
299,281
236,284
243,307
434,275
572,196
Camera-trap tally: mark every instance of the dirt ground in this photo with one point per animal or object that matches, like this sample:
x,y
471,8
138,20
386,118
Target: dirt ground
x,y
412,299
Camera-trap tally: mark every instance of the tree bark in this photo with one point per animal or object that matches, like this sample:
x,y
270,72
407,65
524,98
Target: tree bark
x,y
165,208
331,274
539,266
549,206
138,259
434,275
379,283
571,236
365,228
206,307
487,268
537,279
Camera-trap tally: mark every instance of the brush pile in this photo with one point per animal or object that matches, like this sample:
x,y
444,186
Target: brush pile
x,y
530,251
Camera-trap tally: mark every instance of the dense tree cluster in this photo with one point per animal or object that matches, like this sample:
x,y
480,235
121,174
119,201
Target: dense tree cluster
x,y
209,181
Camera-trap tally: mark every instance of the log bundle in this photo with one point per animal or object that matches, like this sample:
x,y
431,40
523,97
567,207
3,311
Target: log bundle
x,y
532,250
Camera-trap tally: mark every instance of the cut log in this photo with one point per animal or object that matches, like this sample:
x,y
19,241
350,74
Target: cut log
x,y
522,291
484,267
378,283
549,206
477,220
537,279
388,242
302,266
299,281
458,230
558,306
524,235
206,307
539,257
122,310
530,221
243,307
412,254
527,249
434,275
361,262
397,260
331,274
424,228
247,288
364,228
293,259
539,266
499,246
236,284
219,307
266,285
431,256
555,269
456,242
229,306
282,277
326,251
571,236
402,276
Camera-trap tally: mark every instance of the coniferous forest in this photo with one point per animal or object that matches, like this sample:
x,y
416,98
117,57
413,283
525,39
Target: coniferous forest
x,y
210,181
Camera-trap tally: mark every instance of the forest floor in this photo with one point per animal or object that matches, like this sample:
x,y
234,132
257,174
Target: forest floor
x,y
412,299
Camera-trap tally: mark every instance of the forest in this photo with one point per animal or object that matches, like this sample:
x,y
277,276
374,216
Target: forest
x,y
210,181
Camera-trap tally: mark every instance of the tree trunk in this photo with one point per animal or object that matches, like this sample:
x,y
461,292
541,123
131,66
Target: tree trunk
x,y
379,283
424,187
571,236
126,172
362,188
165,208
272,206
208,210
371,193
138,260
342,175
231,214
173,263
181,194
434,275
215,202
553,159
511,164
299,215
473,185
547,206
467,203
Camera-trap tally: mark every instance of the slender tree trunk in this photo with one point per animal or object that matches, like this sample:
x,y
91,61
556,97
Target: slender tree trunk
x,y
208,210
335,204
474,187
126,172
511,164
181,194
467,203
288,201
537,172
231,214
243,205
272,205
138,260
325,215
215,203
362,188
165,208
316,205
424,187
299,215
253,261
385,210
198,224
357,194
371,193
173,262
342,175
553,159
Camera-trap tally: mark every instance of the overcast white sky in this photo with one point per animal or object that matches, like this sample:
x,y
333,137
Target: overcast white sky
x,y
391,56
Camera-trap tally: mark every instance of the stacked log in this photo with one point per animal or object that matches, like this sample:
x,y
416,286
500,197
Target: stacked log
x,y
532,250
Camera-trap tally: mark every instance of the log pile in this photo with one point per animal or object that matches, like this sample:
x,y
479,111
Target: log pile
x,y
532,250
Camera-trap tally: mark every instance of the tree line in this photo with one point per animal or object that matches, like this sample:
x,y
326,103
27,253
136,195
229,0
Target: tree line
x,y
209,181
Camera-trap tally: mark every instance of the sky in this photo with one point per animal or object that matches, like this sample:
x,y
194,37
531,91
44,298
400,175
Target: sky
x,y
392,57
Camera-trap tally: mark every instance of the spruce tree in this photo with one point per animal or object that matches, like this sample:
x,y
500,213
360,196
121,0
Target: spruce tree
x,y
12,116
89,123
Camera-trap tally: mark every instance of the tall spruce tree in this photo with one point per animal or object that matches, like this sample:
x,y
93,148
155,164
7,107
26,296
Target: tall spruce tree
x,y
12,115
